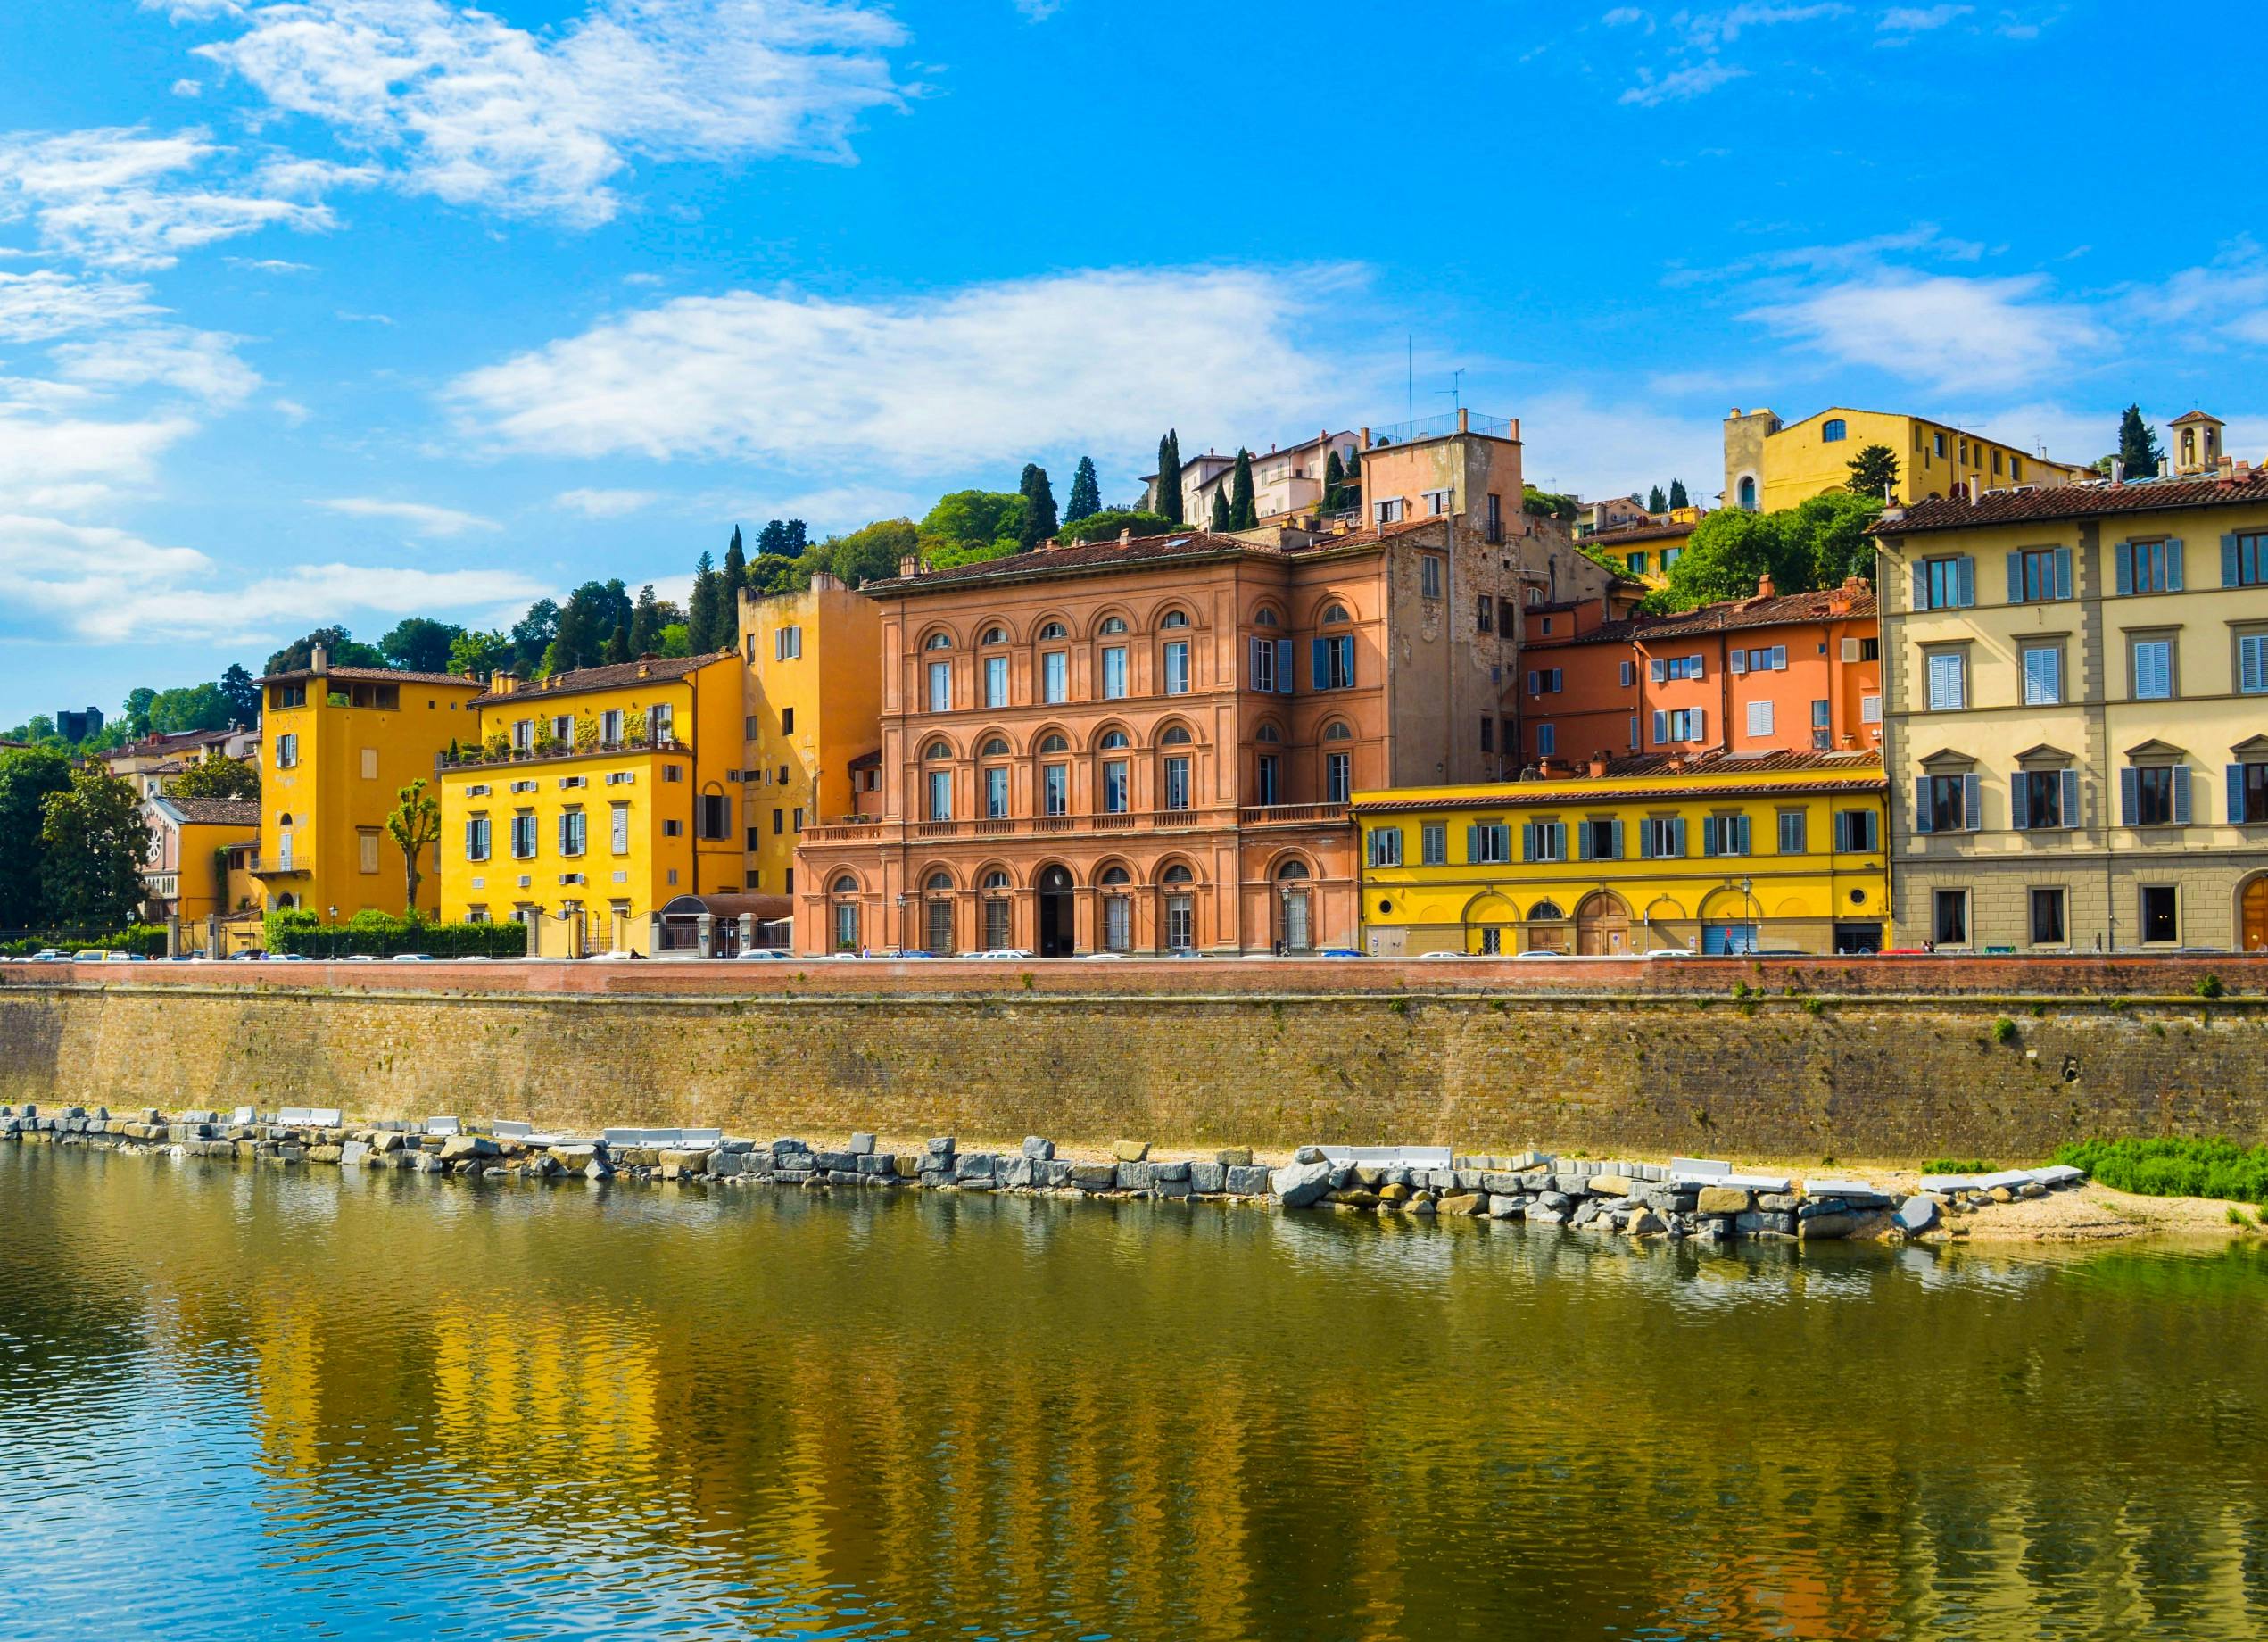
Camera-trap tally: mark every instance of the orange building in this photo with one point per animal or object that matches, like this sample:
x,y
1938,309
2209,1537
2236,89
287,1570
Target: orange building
x,y
1800,673
1148,745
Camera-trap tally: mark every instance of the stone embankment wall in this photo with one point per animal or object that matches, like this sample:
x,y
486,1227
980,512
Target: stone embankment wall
x,y
1772,1075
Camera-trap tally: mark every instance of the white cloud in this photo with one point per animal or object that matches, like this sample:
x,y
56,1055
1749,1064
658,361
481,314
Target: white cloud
x,y
1624,16
201,364
426,520
1574,445
1097,360
1040,10
45,303
1920,19
1685,84
467,108
44,449
605,503
114,197
1951,334
188,89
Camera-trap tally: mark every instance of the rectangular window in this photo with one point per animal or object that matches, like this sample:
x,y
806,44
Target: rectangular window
x,y
1439,502
571,831
1946,803
1484,614
2043,675
1054,677
2244,559
286,752
1636,563
787,645
1857,832
1429,573
1673,669
779,823
524,835
1433,842
996,681
1387,511
1725,835
2248,794
2161,915
2153,673
996,795
940,686
1627,677
1385,846
1547,740
1950,917
2048,927
715,815
477,838
1602,839
1334,662
619,828
1269,787
562,731
2039,575
1177,667
1760,718
940,794
1661,838
1870,709
1494,519
1546,681
1176,771
1488,733
662,724
1114,786
1489,843
610,726
1180,923
1338,777
1680,724
673,828
996,922
2252,663
2045,800
1949,681
1055,789
2153,795
369,763
1945,584
1792,829
1545,841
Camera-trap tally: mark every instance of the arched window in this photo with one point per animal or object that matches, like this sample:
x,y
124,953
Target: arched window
x,y
1054,743
846,914
1748,494
1174,619
1113,623
1175,736
1270,734
846,885
1112,741
1336,730
996,880
996,748
940,883
1264,618
1292,870
1177,873
938,749
938,641
1054,630
1334,614
1545,912
1115,877
1833,431
992,635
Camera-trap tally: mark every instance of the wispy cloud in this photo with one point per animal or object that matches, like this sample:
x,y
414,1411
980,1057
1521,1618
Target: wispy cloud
x,y
121,197
605,503
425,519
1948,333
1920,19
1697,80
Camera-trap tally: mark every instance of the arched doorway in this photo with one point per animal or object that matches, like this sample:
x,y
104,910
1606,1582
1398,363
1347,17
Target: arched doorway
x,y
1602,927
937,916
1297,931
1487,918
1058,926
2251,919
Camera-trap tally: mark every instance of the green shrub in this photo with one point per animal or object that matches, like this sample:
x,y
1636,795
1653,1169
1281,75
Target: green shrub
x,y
1959,1166
2174,1169
2004,1031
2209,986
383,935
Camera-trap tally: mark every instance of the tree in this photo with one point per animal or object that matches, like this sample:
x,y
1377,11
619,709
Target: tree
x,y
1219,522
2138,450
1167,500
27,776
340,648
477,654
215,776
618,648
94,843
1874,472
191,707
242,691
1677,496
972,523
1105,525
1085,496
532,634
736,569
1656,502
1040,521
589,618
871,553
1816,544
797,534
419,645
415,823
1243,514
704,612
676,640
646,622
1341,491
137,710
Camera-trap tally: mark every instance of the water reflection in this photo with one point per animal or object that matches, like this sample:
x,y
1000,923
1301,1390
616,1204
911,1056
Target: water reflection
x,y
387,1405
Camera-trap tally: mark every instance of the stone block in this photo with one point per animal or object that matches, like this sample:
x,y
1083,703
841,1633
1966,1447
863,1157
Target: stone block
x,y
974,1165
1234,1157
1723,1200
906,1166
1208,1178
1502,1206
1093,1176
1467,1203
875,1163
1645,1223
1169,1170
1307,1155
458,1148
1916,1214
1130,1151
1057,1172
684,1160
1354,1196
940,1146
1779,1202
1245,1179
1610,1185
861,1146
722,1162
1177,1187
1135,1176
835,1163
1302,1184
1816,1228
1012,1172
353,1153
1038,1148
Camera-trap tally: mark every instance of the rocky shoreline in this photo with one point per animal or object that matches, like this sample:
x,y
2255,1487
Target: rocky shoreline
x,y
1699,1199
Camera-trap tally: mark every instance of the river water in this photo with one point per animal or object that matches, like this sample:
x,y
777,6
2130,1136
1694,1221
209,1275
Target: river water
x,y
239,1403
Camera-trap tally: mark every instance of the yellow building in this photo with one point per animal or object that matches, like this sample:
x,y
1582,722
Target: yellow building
x,y
813,707
2075,715
1723,853
594,798
1770,465
339,744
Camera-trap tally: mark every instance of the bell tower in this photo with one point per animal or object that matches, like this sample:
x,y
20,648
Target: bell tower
x,y
2196,444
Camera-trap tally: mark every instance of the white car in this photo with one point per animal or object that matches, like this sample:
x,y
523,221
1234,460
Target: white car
x,y
1450,954
1666,952
763,954
1540,952
999,952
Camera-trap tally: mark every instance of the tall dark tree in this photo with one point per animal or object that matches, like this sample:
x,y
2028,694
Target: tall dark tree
x,y
646,624
243,692
1656,502
736,569
704,611
618,648
532,634
1677,496
1040,521
1243,514
1219,522
1340,490
1168,500
797,534
28,776
772,541
2138,450
1085,496
588,620
340,648
419,645
95,843
1874,472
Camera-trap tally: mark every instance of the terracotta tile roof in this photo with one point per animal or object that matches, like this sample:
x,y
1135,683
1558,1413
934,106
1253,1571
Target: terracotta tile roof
x,y
373,675
1735,615
1175,546
1718,762
2069,501
583,681
213,811
1635,533
1842,772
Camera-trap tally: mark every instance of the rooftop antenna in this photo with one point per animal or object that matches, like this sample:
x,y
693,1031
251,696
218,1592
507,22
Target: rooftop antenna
x,y
1455,390
1410,379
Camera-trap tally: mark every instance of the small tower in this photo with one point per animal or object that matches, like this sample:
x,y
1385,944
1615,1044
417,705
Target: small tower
x,y
2196,444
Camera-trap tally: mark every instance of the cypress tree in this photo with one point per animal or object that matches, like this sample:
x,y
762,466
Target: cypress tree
x,y
1334,483
736,570
1085,498
1040,506
1656,502
1219,512
1677,497
645,624
701,623
1168,500
618,645
1242,513
2138,447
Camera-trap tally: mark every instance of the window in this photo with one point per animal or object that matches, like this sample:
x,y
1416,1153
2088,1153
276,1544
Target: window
x,y
1493,525
1545,841
715,815
662,724
2037,575
1386,512
290,695
1661,837
1769,659
1055,789
1680,724
1439,501
1792,830
1671,555
1176,773
524,835
2153,795
1760,718
619,828
1433,843
2043,675
1629,675
1937,443
1429,573
2048,927
1484,614
1945,584
1834,431
2252,663
1114,673
1338,777
1858,831
996,909
779,823
1177,667
571,831
2045,800
1333,662
1488,843
610,727
1053,630
1115,787
1950,919
2161,915
286,752
994,635
1181,911
787,645
2152,670
369,763
1488,733
996,795
477,838
937,919
2244,559
940,686
1547,740
1670,669
2248,794
1385,846
1268,787
562,731
1949,680
1822,729
1636,563
1601,839
996,681
673,829
938,641
1054,677
1870,709
1545,681
1725,835
1946,804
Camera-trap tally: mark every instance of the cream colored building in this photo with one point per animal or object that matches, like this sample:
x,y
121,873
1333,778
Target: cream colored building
x,y
1770,465
1286,483
2075,693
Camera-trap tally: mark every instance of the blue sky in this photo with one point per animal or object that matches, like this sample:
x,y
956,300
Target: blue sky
x,y
344,310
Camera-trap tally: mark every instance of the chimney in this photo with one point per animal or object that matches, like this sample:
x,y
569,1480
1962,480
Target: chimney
x,y
909,564
319,662
822,581
1598,766
2117,471
1125,534
1464,420
1764,585
1512,433
503,681
643,670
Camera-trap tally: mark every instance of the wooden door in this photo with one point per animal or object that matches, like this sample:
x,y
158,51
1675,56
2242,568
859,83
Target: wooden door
x,y
2255,916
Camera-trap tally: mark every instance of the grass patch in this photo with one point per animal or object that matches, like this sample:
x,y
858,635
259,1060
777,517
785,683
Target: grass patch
x,y
2174,1169
2004,1031
2209,986
1959,1166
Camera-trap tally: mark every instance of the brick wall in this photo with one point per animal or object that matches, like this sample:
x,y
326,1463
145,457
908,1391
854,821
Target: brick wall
x,y
1861,1077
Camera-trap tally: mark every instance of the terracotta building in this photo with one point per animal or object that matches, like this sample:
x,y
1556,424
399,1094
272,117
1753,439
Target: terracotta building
x,y
1149,745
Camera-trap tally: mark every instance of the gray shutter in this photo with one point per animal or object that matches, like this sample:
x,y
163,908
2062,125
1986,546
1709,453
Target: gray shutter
x,y
1661,726
1965,568
2129,796
2019,802
1921,585
2070,798
1779,658
1677,835
2125,555
2180,795
2176,578
1284,683
1972,803
1921,804
1472,843
2229,560
1701,724
2235,794
1645,840
2015,578
1614,837
2063,573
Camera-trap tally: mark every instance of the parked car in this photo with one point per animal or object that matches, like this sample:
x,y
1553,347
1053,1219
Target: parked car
x,y
1540,952
761,953
1000,952
49,955
88,955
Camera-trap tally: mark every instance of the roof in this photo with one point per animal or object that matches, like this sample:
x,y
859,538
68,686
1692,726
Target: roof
x,y
1635,533
2072,502
730,905
2193,416
1182,546
1732,616
868,760
583,681
1649,777
372,675
210,811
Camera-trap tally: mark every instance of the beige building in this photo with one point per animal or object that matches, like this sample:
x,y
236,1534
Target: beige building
x,y
2075,695
1770,465
1286,483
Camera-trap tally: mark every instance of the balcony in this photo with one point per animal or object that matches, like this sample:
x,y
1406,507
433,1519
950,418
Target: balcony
x,y
1118,822
482,758
276,866
1291,815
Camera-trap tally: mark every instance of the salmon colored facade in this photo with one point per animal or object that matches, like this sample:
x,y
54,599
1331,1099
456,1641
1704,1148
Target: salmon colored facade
x,y
1148,746
1794,673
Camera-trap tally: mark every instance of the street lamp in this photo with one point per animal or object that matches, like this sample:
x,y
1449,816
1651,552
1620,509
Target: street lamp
x,y
1749,900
